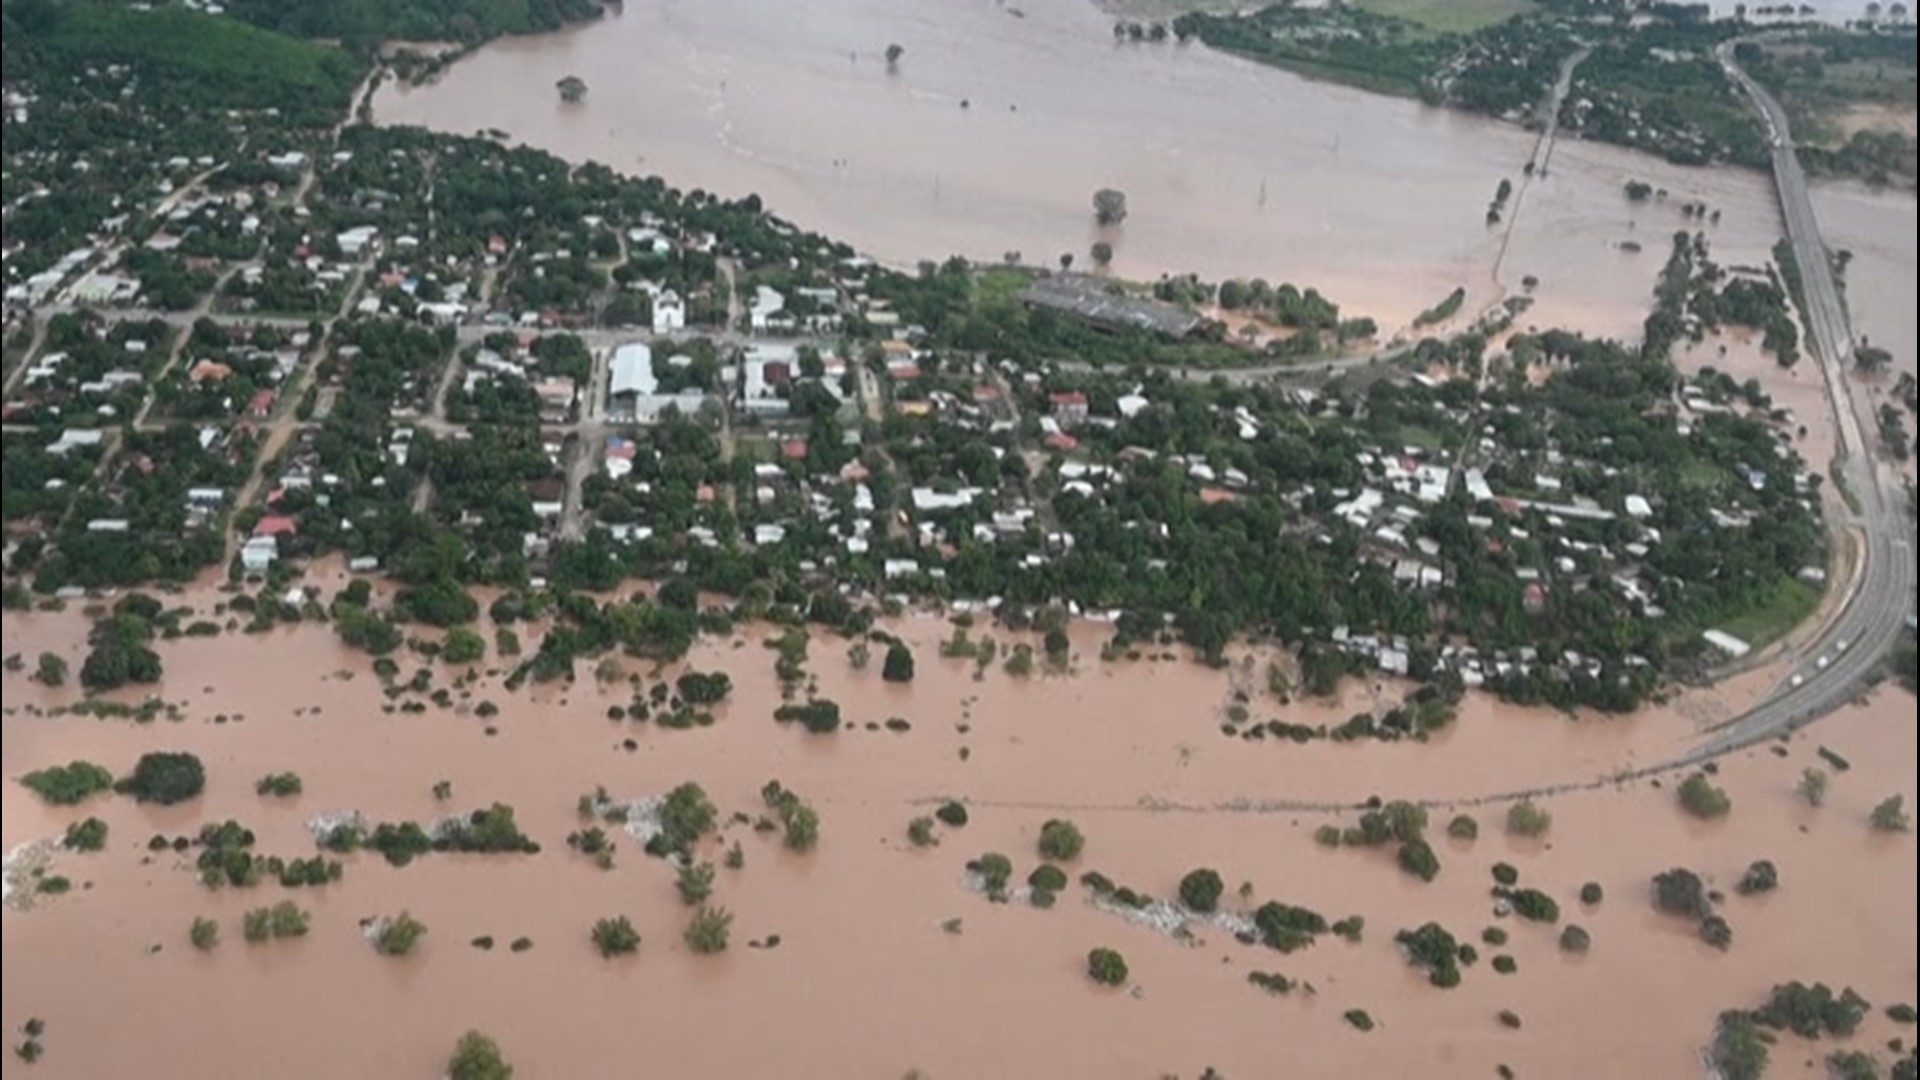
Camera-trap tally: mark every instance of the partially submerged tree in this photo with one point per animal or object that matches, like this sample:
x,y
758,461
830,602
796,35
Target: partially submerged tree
x,y
1813,786
1109,206
573,89
477,1057
894,52
708,934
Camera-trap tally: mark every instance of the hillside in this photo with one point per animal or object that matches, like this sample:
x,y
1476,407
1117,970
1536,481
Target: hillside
x,y
362,22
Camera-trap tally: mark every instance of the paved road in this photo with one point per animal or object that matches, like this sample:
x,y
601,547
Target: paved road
x,y
1873,617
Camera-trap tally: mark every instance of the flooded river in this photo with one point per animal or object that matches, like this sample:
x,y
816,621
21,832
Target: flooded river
x,y
999,122
1378,202
866,983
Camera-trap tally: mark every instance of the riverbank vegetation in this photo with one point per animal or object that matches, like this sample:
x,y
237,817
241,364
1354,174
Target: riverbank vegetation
x,y
1850,95
359,25
1649,80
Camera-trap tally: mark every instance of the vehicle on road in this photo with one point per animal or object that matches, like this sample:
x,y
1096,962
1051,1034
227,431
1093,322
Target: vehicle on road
x,y
1799,681
1825,662
1844,643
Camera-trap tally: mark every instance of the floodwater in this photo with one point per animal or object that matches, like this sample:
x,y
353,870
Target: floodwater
x,y
1878,228
865,983
1377,202
1231,168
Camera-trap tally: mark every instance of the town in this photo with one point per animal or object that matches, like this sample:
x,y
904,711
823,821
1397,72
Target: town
x,y
394,338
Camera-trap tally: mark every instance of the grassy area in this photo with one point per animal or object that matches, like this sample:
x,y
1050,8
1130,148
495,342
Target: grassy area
x,y
999,284
1424,438
1451,16
216,61
1791,603
1702,475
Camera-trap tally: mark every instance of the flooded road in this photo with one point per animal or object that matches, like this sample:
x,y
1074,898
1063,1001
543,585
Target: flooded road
x,y
865,983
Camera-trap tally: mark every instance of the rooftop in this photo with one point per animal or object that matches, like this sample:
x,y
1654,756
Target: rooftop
x,y
1089,298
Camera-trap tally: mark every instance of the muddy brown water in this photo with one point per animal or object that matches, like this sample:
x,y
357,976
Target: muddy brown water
x,y
1231,168
865,982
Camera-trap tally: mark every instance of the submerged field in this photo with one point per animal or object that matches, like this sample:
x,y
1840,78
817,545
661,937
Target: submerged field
x,y
875,957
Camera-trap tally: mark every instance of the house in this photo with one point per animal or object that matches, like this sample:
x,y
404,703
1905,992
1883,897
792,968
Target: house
x,y
557,397
669,312
634,388
1536,598
260,406
356,240
275,525
548,496
1727,643
257,555
209,371
76,439
764,371
1070,410
1093,301
767,311
794,450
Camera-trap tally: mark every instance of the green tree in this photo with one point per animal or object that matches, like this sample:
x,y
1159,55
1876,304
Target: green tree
x,y
686,816
616,937
68,785
802,828
1681,892
709,931
1107,967
1813,786
1201,890
1526,819
995,871
86,836
165,779
695,883
477,1057
1417,858
278,785
1060,841
1702,799
399,935
463,646
899,665
1739,1051
52,670
1891,815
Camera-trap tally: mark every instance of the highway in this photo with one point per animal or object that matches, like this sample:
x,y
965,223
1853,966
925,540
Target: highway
x,y
1835,666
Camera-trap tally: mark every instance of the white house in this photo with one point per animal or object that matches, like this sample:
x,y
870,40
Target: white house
x,y
633,392
669,312
259,554
767,309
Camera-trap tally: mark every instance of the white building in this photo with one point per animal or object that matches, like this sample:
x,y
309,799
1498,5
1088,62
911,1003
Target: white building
x,y
633,392
669,312
768,310
259,554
